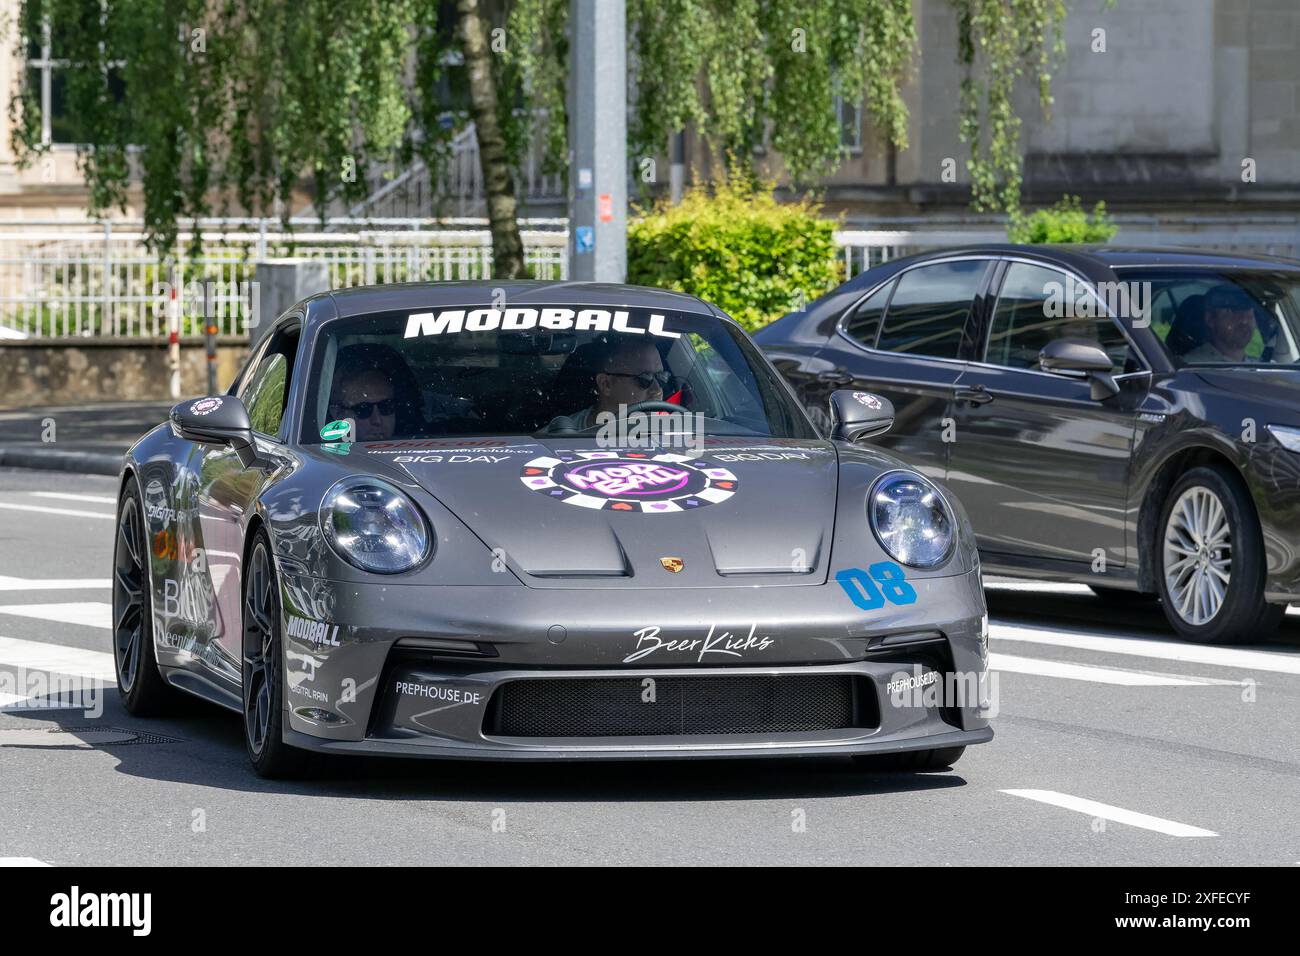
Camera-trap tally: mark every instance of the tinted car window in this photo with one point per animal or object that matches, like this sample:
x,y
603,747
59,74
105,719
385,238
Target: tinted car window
x,y
1217,317
863,323
520,371
1038,305
928,311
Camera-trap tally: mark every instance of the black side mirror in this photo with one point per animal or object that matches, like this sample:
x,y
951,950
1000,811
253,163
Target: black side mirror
x,y
219,420
859,415
1076,356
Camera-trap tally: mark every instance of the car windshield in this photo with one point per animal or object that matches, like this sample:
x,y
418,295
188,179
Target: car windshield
x,y
1222,317
540,370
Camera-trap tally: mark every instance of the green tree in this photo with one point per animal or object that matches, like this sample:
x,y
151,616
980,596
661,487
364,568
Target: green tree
x,y
224,104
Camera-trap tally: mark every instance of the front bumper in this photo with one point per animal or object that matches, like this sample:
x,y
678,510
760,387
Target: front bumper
x,y
529,674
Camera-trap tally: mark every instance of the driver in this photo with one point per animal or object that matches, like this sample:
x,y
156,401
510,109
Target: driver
x,y
631,372
1229,325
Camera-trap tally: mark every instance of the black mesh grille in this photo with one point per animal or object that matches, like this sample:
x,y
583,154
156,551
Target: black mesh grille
x,y
615,707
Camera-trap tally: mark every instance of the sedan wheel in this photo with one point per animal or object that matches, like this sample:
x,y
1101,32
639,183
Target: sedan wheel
x,y
1212,573
1198,555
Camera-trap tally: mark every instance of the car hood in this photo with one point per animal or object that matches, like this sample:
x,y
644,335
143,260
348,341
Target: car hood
x,y
1274,385
560,512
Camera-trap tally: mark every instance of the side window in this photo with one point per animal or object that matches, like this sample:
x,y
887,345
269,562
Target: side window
x,y
1035,306
265,392
928,312
863,322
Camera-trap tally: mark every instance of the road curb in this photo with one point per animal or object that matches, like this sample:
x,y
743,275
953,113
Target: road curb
x,y
51,459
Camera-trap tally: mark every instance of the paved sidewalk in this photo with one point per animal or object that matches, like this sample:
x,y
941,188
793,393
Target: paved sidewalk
x,y
89,439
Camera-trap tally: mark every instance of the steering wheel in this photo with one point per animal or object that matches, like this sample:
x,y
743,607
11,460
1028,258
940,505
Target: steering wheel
x,y
654,407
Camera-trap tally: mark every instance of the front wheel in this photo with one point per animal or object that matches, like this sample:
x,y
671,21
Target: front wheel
x,y
1211,552
264,672
939,759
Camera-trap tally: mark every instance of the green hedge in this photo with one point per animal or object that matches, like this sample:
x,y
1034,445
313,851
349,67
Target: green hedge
x,y
737,247
1065,222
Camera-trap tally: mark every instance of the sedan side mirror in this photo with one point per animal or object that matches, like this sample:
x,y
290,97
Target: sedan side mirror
x,y
859,415
1064,356
219,420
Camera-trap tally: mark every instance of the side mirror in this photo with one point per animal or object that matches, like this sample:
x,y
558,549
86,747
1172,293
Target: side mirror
x,y
1064,356
859,415
219,420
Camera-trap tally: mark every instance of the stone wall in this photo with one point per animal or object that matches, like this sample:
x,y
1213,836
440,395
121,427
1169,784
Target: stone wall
x,y
73,371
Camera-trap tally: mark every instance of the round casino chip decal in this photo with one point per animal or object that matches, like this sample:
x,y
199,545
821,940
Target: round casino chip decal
x,y
629,481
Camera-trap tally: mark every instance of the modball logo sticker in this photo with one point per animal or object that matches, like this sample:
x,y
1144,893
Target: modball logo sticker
x,y
629,481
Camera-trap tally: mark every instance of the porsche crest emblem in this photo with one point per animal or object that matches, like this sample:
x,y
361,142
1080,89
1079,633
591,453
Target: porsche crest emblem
x,y
672,564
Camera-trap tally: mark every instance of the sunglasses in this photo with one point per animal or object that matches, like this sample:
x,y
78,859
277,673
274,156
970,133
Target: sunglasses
x,y
646,379
386,406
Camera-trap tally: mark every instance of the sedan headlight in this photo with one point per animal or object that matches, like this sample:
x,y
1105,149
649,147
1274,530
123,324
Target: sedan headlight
x,y
911,520
373,526
1289,437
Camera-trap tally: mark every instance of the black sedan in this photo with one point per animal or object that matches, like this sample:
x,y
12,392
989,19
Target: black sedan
x,y
1124,418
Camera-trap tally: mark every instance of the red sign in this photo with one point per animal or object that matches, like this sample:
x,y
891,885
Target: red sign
x,y
605,207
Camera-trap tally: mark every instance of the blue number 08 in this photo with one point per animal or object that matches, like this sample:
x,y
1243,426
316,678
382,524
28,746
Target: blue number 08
x,y
882,581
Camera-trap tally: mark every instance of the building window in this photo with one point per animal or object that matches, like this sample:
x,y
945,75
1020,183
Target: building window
x,y
849,117
47,72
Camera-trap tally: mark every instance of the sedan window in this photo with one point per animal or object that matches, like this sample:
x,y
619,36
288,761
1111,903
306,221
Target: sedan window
x,y
927,314
1037,306
863,321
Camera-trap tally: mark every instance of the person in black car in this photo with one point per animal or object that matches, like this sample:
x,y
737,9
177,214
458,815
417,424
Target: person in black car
x,y
1230,325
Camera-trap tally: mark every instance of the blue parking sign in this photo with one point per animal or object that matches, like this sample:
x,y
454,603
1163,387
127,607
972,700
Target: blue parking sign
x,y
584,239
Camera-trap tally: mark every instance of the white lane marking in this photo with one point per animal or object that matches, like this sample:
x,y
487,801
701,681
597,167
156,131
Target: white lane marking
x,y
1116,814
22,861
56,511
54,584
1277,662
1043,586
1012,664
85,613
96,499
56,658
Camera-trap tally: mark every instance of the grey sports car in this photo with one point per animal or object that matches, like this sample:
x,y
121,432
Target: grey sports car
x,y
531,520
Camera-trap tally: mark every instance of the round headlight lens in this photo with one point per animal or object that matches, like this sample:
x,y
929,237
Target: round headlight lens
x,y
373,526
911,520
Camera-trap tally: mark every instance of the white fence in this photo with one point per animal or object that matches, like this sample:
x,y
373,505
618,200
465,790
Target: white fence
x,y
80,279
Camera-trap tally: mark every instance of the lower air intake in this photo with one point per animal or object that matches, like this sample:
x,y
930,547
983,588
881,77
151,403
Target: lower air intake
x,y
617,707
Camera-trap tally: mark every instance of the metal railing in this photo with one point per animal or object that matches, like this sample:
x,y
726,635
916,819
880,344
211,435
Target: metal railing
x,y
58,280
98,279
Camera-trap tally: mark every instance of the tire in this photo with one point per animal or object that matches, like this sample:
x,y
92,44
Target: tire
x,y
913,760
1121,596
263,672
1211,561
140,684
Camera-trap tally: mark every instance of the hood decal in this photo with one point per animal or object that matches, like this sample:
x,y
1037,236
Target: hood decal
x,y
634,482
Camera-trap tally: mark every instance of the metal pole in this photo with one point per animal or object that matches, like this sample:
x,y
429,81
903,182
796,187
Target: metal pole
x,y
174,337
598,138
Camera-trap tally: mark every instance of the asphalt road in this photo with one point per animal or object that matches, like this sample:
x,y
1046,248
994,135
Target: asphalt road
x,y
1115,745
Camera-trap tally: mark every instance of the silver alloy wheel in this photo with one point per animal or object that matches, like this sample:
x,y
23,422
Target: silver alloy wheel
x,y
1197,555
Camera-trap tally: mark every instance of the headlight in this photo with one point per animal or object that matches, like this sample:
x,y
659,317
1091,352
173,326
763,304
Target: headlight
x,y
373,526
1289,437
911,520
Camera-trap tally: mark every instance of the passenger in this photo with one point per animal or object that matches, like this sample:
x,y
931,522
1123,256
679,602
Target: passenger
x,y
367,398
375,387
